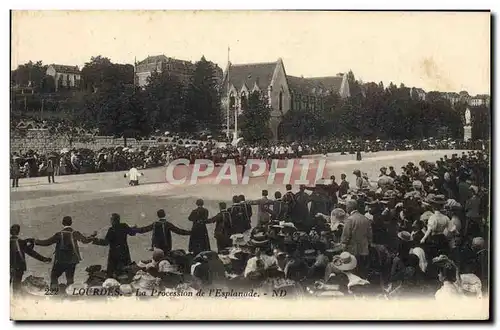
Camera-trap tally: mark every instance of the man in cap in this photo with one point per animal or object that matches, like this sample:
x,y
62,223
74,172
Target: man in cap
x,y
19,248
67,252
357,235
162,232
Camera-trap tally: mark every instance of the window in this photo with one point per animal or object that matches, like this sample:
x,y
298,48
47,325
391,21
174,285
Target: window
x,y
281,101
243,101
231,101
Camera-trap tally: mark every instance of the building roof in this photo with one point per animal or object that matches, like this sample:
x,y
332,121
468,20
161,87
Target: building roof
x,y
161,58
300,85
250,74
66,68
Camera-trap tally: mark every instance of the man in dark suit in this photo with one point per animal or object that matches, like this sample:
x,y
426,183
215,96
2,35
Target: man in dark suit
x,y
162,236
18,250
222,232
344,185
300,213
247,208
289,200
116,238
67,253
279,211
238,216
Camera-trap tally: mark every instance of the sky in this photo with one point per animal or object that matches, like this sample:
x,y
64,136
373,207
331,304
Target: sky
x,y
434,51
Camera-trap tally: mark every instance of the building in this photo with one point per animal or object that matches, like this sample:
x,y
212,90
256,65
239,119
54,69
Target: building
x,y
418,93
180,68
308,94
65,76
282,91
452,97
480,99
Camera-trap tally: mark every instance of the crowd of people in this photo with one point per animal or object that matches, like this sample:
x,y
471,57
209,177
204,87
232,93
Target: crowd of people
x,y
82,160
421,231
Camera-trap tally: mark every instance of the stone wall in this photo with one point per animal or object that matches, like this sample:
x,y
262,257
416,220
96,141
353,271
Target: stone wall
x,y
42,142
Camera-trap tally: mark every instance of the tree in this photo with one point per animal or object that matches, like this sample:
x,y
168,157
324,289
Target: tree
x,y
118,111
71,133
48,84
165,101
29,74
255,120
100,72
204,100
481,122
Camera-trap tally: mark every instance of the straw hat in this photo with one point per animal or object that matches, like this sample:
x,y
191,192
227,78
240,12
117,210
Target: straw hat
x,y
259,240
166,267
404,236
110,283
345,261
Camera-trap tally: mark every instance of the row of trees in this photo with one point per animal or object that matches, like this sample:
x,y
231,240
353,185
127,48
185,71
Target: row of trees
x,y
110,101
116,107
373,111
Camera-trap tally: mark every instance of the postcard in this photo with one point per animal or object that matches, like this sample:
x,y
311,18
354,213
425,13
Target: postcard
x,y
250,165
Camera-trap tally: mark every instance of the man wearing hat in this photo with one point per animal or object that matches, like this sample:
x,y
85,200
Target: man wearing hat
x,y
162,232
357,235
67,253
19,248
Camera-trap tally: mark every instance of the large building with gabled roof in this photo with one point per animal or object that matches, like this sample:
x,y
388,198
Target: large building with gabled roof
x,y
283,92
